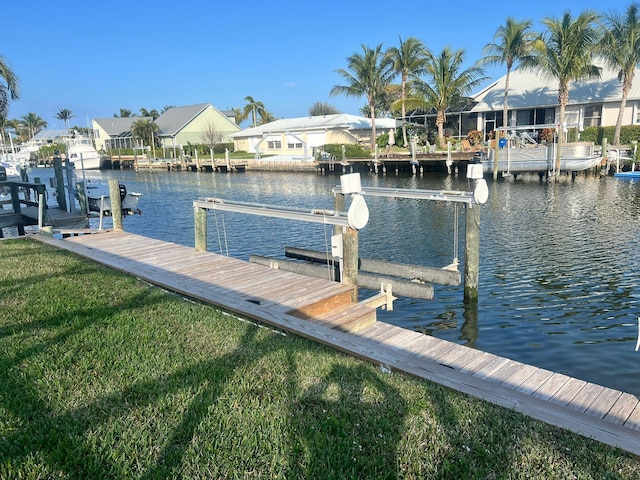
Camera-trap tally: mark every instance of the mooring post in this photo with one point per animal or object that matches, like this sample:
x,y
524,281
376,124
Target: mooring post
x,y
338,206
60,191
200,222
472,252
116,205
350,260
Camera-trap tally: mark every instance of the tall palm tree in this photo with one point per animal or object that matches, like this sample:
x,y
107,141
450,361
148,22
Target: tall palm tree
x,y
33,123
620,49
9,89
512,43
65,115
237,115
124,113
144,130
565,52
408,61
255,109
449,84
367,74
149,113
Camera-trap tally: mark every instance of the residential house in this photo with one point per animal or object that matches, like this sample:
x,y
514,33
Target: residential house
x,y
298,137
533,100
114,133
194,124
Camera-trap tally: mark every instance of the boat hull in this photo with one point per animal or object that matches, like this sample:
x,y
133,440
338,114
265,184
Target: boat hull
x,y
98,199
542,158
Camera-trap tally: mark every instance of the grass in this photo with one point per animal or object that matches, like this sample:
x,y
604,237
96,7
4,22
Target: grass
x,y
104,376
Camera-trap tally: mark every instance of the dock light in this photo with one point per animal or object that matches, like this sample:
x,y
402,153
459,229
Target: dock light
x,y
358,214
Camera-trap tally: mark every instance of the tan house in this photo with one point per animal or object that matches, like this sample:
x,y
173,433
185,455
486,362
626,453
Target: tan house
x,y
194,124
299,137
114,132
533,100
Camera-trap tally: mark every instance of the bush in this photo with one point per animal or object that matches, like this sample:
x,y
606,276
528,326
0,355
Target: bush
x,y
351,151
628,133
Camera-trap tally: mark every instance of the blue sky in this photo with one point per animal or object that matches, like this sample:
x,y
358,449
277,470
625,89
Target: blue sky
x,y
95,58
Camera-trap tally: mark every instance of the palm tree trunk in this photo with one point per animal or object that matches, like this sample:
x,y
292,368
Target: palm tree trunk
x,y
440,124
505,106
372,108
626,86
404,111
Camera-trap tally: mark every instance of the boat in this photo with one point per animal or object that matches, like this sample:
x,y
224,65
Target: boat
x,y
99,199
628,175
520,152
82,153
9,172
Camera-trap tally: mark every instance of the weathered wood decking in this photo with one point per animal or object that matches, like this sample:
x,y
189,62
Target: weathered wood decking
x,y
315,309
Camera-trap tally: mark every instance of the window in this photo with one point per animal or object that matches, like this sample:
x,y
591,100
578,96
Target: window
x,y
592,115
294,145
274,144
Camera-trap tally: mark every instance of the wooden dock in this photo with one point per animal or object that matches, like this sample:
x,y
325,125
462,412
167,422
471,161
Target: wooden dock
x,y
320,310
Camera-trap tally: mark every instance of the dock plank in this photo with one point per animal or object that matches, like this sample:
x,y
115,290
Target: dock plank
x,y
538,393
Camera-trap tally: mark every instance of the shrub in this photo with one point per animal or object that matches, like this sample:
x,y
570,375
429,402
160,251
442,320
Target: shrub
x,y
351,151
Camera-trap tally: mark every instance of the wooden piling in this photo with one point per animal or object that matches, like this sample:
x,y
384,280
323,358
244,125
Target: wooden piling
x,y
116,204
57,169
350,260
472,252
200,222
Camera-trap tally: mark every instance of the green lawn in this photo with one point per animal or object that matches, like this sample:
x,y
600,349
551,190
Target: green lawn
x,y
104,376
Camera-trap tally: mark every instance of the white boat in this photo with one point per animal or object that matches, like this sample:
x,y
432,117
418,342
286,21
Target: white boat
x,y
9,172
521,153
99,198
82,153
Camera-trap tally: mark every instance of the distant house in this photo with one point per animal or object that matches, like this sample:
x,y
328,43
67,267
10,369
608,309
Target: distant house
x,y
114,132
533,100
298,137
179,126
48,137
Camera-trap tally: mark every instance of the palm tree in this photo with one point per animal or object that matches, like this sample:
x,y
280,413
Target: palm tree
x,y
450,85
253,108
620,49
65,115
367,74
149,113
512,43
144,130
322,108
565,52
237,115
9,89
408,61
33,124
124,113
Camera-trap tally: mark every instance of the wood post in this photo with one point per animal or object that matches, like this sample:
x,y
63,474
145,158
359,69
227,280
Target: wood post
x,y
200,222
472,252
57,168
116,204
350,260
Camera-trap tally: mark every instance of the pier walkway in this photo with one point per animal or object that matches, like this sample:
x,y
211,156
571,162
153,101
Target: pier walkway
x,y
319,310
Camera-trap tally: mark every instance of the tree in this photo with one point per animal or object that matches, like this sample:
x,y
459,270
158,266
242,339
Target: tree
x,y
408,61
450,84
9,89
253,108
237,115
33,124
149,113
512,43
620,48
322,108
211,136
367,74
565,52
144,130
166,107
266,117
65,115
124,113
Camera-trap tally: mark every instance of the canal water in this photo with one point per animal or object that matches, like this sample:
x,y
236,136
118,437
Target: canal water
x,y
559,261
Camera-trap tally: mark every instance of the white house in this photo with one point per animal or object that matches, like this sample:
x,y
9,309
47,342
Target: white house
x,y
298,137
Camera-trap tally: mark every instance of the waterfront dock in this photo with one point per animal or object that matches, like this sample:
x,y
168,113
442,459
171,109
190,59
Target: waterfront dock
x,y
320,310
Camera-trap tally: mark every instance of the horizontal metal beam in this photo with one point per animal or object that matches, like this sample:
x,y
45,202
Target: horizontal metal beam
x,y
439,195
328,217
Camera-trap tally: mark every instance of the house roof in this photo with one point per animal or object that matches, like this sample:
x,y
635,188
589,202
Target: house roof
x,y
50,134
529,89
115,126
339,120
174,119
